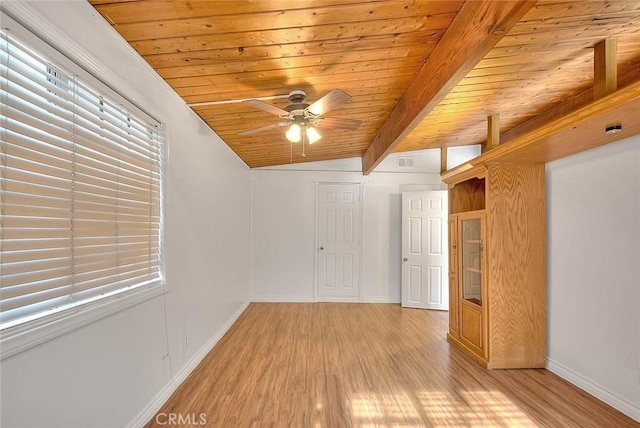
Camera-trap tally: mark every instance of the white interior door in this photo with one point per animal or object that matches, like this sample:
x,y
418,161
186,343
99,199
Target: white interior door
x,y
338,241
425,280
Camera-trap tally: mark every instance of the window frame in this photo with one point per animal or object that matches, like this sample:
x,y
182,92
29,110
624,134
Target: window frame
x,y
20,337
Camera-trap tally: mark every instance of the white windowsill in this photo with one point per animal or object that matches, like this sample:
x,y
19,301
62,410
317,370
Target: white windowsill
x,y
13,341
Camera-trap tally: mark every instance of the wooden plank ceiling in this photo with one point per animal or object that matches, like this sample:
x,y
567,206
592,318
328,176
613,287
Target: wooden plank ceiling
x,y
534,58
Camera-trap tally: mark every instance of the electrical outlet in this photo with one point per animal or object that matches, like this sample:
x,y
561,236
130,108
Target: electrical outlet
x,y
187,340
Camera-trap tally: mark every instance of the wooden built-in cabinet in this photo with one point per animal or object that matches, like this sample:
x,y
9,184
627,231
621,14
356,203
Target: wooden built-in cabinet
x,y
497,269
454,316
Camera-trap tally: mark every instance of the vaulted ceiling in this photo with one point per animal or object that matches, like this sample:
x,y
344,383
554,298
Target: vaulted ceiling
x,y
421,74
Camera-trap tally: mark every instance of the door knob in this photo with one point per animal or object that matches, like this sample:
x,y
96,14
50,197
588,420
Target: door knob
x,y
322,248
405,259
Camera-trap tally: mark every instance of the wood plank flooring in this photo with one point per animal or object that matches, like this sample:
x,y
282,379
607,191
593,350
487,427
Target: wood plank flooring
x,y
367,365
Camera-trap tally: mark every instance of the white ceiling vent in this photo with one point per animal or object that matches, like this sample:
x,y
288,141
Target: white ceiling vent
x,y
405,161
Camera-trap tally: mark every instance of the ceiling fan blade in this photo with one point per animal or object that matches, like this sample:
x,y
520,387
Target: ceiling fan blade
x,y
264,128
338,123
330,101
266,107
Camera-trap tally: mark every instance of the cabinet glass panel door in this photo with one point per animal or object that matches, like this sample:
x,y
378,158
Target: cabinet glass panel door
x,y
472,261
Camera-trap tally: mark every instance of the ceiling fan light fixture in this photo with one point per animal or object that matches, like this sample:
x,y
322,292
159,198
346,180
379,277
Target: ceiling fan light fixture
x,y
294,133
312,134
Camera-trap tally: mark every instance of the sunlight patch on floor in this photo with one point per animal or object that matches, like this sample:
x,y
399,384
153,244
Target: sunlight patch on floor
x,y
497,404
441,409
371,408
445,409
479,408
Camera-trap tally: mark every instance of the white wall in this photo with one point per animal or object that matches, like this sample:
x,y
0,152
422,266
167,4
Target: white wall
x,y
459,155
594,271
108,372
283,204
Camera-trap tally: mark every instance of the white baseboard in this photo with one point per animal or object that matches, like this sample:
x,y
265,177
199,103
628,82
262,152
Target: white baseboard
x,y
381,299
338,299
603,394
156,403
282,299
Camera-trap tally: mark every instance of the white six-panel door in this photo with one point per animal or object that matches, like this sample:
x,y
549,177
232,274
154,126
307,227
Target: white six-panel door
x,y
338,241
425,280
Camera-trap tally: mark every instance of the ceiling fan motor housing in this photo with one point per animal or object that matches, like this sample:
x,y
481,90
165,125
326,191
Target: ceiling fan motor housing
x,y
297,99
297,96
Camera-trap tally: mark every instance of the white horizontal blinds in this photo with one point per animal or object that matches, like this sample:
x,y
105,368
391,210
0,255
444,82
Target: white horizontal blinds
x,y
37,145
116,204
80,190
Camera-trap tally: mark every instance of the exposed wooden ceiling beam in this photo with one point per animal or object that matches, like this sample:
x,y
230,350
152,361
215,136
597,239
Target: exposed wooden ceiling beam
x,y
629,78
571,133
605,67
476,29
493,132
443,159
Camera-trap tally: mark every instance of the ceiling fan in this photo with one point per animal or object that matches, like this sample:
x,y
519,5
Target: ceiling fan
x,y
303,118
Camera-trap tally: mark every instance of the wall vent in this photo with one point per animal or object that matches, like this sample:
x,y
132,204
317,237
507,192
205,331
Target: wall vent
x,y
405,162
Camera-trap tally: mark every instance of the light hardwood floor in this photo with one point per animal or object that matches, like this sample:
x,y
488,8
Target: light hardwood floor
x,y
365,365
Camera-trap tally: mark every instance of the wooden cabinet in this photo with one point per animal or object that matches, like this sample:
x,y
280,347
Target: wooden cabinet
x,y
497,268
454,318
473,314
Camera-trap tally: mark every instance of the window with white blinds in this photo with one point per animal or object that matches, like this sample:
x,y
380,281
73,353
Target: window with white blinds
x,y
80,192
